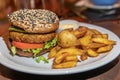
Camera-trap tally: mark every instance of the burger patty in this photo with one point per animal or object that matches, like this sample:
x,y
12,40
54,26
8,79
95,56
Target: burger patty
x,y
31,38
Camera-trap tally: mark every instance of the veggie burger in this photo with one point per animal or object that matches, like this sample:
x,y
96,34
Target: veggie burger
x,y
32,31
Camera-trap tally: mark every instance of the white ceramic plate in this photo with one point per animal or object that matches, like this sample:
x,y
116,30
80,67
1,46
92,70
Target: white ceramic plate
x,y
88,4
28,65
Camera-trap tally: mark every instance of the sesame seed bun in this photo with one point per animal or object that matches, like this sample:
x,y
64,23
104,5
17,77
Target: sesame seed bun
x,y
35,20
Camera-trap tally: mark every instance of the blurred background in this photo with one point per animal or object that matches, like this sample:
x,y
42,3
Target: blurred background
x,y
82,10
8,6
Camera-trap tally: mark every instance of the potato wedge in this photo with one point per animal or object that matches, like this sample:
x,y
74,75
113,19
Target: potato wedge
x,y
97,36
60,58
105,36
70,51
84,41
66,39
96,31
71,58
52,53
65,65
100,36
90,32
105,48
104,41
95,45
92,53
80,32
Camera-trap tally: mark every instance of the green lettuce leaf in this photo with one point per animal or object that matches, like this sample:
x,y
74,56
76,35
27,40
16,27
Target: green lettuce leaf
x,y
13,50
34,51
50,43
41,58
12,28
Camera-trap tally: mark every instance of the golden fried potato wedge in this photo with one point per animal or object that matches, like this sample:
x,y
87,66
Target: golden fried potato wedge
x,y
52,53
95,45
105,48
66,39
97,36
69,64
60,58
80,32
104,41
92,53
105,36
100,36
90,32
84,41
96,31
70,51
71,58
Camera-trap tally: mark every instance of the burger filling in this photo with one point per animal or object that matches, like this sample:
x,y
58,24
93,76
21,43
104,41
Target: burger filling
x,y
33,48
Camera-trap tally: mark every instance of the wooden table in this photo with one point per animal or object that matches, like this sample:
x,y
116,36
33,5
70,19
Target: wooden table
x,y
110,71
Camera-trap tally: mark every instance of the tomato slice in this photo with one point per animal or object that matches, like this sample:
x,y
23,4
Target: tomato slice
x,y
22,45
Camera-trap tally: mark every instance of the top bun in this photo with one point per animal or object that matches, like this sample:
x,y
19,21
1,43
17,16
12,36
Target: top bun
x,y
35,20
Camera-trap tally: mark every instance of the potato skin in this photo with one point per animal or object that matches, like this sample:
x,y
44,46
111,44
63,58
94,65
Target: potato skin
x,y
66,39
